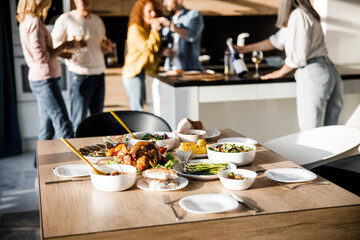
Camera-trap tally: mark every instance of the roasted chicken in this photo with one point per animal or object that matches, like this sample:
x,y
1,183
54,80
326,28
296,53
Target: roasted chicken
x,y
142,155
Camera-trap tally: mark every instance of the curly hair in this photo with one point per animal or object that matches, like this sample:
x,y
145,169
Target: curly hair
x,y
137,13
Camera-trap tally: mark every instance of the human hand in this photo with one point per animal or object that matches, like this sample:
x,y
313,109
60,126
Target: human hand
x,y
106,45
240,49
272,75
156,24
66,55
164,21
169,53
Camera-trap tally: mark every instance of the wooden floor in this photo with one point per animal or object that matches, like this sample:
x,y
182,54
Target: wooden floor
x,y
115,94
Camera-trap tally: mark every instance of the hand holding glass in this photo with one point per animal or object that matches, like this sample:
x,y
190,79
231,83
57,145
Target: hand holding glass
x,y
257,57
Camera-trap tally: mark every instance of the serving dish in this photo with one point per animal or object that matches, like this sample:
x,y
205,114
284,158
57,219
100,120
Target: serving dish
x,y
192,135
179,167
237,184
183,182
212,133
238,158
161,143
114,183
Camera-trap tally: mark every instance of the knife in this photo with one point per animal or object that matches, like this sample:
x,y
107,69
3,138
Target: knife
x,y
248,205
68,180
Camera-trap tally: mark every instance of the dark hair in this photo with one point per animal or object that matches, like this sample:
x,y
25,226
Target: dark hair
x,y
287,6
137,13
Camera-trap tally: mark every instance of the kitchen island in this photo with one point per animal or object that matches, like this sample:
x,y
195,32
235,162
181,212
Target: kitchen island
x,y
244,104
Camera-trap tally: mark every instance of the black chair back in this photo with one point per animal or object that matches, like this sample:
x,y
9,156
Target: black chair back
x,y
104,124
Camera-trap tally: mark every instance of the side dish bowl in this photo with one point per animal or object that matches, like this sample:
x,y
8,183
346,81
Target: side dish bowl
x,y
161,143
114,183
237,184
238,158
192,135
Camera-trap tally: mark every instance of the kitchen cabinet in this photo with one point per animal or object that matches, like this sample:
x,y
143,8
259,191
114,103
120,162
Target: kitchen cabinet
x,y
206,7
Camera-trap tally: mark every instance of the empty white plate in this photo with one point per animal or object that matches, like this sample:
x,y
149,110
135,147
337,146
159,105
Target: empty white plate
x,y
183,182
238,139
208,203
290,175
211,133
73,170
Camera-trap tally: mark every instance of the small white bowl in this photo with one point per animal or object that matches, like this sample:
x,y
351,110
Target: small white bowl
x,y
114,183
161,143
239,159
237,184
192,135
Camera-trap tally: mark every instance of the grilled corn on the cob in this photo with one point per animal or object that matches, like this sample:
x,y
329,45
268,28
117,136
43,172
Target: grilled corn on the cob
x,y
197,148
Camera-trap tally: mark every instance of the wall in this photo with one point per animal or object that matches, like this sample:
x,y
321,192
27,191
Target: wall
x,y
341,24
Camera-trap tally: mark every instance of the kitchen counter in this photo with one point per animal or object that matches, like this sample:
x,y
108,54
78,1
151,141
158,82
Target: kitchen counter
x,y
239,102
347,72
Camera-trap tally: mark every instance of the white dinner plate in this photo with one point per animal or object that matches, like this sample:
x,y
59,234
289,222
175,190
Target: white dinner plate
x,y
183,182
208,203
199,155
73,170
290,175
179,169
211,133
97,160
238,139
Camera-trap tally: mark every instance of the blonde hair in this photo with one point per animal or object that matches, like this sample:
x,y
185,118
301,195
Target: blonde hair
x,y
38,8
287,6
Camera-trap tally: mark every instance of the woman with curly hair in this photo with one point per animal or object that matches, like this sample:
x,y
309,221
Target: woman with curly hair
x,y
143,49
44,69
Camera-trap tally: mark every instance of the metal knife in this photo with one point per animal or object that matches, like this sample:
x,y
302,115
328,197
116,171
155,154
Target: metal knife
x,y
248,205
68,180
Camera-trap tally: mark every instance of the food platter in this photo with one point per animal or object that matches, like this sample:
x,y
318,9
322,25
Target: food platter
x,y
183,182
290,175
208,203
73,170
211,133
179,169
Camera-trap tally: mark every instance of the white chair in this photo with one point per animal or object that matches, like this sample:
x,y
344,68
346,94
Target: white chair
x,y
317,146
354,120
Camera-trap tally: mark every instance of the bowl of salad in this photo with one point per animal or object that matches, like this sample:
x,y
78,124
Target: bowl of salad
x,y
162,139
235,152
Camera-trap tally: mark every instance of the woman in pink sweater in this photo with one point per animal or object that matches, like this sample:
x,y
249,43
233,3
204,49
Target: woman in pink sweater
x,y
44,69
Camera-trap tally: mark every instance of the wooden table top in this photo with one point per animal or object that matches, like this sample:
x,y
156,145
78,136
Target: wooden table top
x,y
76,210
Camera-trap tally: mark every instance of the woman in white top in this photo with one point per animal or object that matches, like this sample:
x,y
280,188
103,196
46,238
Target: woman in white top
x,y
319,85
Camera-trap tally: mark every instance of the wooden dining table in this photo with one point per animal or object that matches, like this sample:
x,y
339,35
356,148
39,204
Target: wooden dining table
x,y
76,210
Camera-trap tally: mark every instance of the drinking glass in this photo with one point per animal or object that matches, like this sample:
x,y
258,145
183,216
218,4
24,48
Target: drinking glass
x,y
82,35
257,57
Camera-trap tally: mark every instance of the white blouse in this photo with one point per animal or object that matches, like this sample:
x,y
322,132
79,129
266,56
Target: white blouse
x,y
302,39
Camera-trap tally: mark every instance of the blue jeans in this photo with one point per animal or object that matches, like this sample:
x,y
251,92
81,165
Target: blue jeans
x,y
319,94
135,88
87,94
54,119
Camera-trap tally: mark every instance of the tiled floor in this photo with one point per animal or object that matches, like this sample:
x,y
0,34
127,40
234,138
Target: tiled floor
x,y
19,202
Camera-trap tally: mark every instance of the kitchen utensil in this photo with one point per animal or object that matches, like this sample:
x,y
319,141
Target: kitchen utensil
x,y
167,201
295,186
82,157
69,180
123,124
248,205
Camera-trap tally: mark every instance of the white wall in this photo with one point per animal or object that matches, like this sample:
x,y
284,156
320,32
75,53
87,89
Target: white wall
x,y
341,24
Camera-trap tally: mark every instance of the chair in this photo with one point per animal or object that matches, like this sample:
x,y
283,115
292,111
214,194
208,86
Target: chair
x,y
104,124
317,146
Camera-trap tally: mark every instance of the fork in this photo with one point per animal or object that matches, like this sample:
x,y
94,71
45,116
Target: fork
x,y
295,186
167,201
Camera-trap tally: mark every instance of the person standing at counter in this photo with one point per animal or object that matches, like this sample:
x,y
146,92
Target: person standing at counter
x,y
44,69
184,34
143,49
318,83
87,81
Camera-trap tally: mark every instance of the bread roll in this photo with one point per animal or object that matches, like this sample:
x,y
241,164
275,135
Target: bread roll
x,y
187,124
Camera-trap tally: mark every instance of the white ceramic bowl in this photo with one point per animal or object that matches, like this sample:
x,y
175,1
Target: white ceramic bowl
x,y
161,143
239,159
192,135
237,184
114,183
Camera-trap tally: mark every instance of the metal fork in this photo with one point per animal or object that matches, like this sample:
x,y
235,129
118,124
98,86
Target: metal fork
x,y
295,186
167,201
